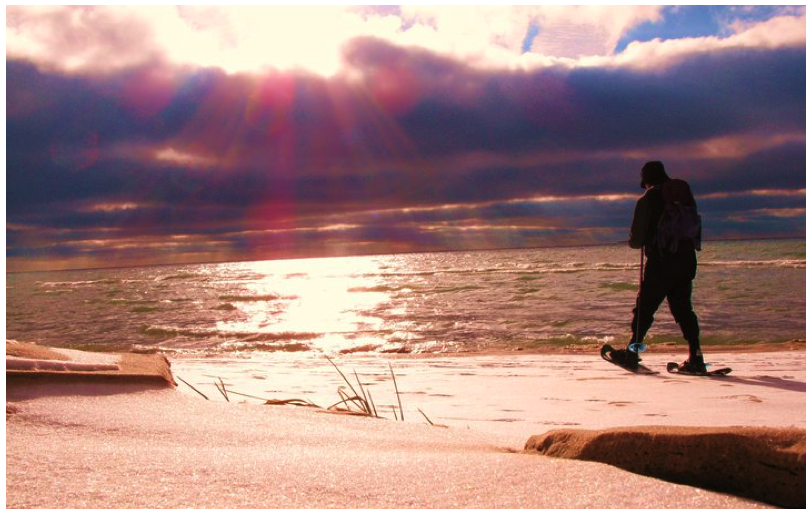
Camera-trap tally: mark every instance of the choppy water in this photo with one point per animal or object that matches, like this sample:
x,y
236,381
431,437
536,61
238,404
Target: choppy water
x,y
745,292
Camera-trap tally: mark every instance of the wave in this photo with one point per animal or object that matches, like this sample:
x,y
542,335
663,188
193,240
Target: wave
x,y
224,347
263,347
525,269
380,289
456,289
361,348
174,332
135,305
598,267
145,309
528,278
119,300
254,298
182,276
413,288
400,348
619,286
768,263
51,284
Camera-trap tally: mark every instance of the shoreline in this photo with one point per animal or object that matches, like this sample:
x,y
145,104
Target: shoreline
x,y
179,450
797,344
676,348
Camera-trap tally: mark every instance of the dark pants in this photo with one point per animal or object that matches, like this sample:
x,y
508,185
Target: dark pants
x,y
668,277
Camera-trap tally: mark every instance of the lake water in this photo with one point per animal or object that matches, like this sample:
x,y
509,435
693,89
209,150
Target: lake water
x,y
745,292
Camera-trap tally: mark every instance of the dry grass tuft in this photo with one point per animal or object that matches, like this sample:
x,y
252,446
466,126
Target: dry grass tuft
x,y
355,399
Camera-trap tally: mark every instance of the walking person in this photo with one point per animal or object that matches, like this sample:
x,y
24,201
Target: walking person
x,y
667,228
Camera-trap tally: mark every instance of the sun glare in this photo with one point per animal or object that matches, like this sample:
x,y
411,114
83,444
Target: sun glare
x,y
251,38
333,297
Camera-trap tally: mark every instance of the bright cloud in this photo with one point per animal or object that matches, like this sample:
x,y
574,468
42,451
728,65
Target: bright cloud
x,y
782,31
252,38
79,38
244,38
586,30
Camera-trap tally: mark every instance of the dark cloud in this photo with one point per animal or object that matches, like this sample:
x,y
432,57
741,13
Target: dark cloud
x,y
460,108
729,92
199,152
780,167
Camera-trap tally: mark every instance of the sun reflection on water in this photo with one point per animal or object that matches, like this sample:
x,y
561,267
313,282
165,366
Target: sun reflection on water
x,y
333,302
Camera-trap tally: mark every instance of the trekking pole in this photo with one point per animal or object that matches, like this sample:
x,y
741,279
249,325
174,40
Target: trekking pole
x,y
639,347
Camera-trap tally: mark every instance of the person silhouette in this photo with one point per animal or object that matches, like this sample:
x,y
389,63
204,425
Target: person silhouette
x,y
668,274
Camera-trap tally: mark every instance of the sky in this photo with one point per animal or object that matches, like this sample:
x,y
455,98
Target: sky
x,y
147,135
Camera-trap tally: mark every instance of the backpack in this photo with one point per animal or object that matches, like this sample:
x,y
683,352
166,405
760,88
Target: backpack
x,y
680,221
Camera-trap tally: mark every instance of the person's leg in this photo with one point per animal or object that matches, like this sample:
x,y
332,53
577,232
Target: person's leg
x,y
681,306
679,302
653,291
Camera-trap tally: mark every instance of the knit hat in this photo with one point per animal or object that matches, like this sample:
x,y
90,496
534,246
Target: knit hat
x,y
653,173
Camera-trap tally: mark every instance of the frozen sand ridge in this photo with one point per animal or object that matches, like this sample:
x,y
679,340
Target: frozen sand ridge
x,y
42,365
29,364
766,464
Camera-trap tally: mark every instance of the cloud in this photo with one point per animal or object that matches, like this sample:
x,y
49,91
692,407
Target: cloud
x,y
104,39
429,108
778,32
405,148
79,38
586,30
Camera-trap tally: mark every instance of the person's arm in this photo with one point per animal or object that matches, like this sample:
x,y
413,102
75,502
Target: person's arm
x,y
637,233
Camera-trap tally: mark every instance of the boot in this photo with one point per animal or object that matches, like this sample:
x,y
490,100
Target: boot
x,y
694,366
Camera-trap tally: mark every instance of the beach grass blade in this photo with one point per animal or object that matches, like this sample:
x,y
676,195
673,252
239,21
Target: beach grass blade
x,y
343,376
427,418
192,387
222,389
361,387
397,392
372,403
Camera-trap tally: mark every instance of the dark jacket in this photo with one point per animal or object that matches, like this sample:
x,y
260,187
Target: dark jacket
x,y
647,214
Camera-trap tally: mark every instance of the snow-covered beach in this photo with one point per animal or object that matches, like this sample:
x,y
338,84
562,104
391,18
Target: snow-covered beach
x,y
120,445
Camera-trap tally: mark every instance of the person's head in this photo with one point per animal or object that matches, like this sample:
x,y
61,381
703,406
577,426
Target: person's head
x,y
652,174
